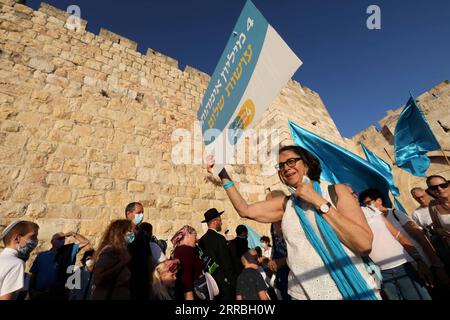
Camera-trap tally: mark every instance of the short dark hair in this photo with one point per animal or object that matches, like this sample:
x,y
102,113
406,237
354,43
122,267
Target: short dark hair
x,y
258,251
435,176
373,194
251,256
311,161
265,239
131,206
241,229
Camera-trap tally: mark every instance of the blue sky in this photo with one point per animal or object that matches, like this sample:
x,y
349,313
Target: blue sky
x,y
359,73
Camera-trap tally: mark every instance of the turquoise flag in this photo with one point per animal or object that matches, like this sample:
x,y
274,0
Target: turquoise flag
x,y
413,138
382,167
253,237
340,165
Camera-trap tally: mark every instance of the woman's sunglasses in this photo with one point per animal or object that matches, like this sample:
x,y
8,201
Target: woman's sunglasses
x,y
436,187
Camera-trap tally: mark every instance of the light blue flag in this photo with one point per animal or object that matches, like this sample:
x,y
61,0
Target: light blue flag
x,y
253,237
382,167
340,165
413,138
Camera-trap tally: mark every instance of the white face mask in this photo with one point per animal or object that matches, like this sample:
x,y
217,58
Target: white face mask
x,y
89,263
138,218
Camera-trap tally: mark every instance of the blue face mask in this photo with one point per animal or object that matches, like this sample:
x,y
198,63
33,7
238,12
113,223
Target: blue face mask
x,y
24,252
138,218
129,237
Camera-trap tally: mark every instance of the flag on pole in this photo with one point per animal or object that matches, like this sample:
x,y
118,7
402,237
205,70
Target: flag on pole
x,y
382,167
413,138
340,165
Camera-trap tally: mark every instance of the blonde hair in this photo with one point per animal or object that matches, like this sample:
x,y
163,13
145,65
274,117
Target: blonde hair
x,y
159,290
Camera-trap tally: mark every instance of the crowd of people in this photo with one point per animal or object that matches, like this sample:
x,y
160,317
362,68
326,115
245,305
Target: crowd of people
x,y
326,242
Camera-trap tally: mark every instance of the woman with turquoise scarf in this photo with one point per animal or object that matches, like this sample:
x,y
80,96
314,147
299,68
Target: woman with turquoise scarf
x,y
324,227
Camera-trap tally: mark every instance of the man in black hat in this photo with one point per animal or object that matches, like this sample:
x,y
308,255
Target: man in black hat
x,y
214,245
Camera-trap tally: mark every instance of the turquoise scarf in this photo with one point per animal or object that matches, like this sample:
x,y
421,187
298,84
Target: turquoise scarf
x,y
349,281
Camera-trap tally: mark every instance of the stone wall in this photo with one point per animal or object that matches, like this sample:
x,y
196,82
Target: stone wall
x,y
85,128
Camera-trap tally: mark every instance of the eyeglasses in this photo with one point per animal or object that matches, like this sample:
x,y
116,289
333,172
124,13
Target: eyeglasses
x,y
290,163
442,186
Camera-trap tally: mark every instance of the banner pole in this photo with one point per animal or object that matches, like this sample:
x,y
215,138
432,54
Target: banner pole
x,y
393,162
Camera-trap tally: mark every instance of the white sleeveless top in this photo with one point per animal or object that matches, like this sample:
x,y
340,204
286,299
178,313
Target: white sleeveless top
x,y
309,279
445,221
387,252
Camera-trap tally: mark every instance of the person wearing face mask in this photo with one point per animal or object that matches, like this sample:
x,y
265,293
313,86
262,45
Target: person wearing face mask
x,y
111,274
266,247
20,239
141,265
49,269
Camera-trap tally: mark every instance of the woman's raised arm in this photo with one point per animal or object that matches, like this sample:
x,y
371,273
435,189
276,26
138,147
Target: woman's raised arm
x,y
267,211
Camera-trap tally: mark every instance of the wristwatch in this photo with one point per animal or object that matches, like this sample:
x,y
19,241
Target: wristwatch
x,y
325,208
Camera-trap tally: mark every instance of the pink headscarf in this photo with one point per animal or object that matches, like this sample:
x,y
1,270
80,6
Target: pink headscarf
x,y
181,234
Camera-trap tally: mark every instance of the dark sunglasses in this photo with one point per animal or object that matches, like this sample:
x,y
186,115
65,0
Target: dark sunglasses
x,y
442,186
290,163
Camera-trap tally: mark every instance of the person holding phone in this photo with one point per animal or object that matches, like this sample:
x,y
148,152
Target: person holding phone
x,y
325,239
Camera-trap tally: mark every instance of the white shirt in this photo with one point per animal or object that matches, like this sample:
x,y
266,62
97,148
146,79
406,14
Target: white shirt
x,y
403,219
157,254
12,272
387,252
267,253
422,217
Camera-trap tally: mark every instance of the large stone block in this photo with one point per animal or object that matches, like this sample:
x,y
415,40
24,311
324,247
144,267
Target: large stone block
x,y
164,202
117,199
103,184
73,166
90,198
134,186
80,182
58,194
124,168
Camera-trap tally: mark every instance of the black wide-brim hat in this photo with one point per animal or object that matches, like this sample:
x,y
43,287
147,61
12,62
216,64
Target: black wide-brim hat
x,y
211,214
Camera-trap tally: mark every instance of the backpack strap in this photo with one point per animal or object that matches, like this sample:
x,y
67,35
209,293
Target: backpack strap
x,y
434,215
333,194
395,216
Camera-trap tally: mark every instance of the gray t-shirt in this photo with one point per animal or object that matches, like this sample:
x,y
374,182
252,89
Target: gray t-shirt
x,y
249,284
